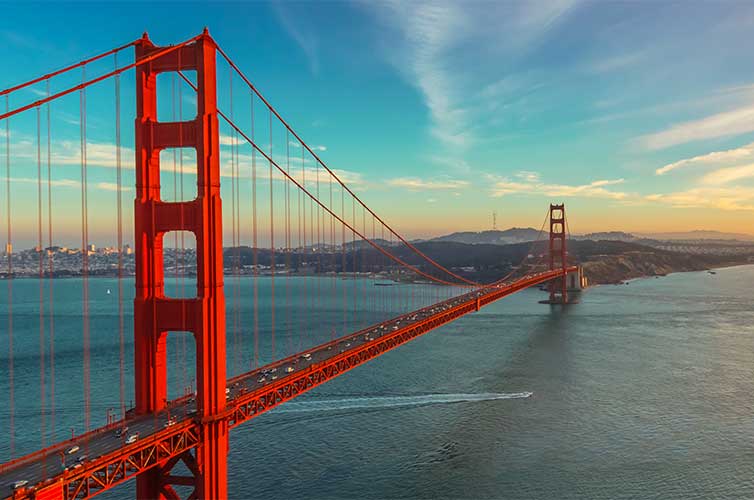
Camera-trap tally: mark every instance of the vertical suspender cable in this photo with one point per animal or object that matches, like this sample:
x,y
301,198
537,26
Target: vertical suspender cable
x,y
50,262
272,246
300,247
355,287
288,244
303,248
234,243
84,250
254,243
40,249
184,377
9,255
302,243
311,258
319,252
176,268
343,249
299,263
332,251
119,208
362,268
238,252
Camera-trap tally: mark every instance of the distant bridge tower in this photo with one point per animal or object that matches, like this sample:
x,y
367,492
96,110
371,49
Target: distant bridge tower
x,y
155,314
558,254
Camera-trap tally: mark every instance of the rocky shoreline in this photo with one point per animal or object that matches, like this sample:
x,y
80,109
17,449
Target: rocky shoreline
x,y
614,269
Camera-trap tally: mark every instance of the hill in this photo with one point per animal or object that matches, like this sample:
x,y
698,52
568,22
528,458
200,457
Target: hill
x,y
698,235
604,261
505,237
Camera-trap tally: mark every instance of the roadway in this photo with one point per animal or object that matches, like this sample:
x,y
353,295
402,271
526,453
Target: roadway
x,y
54,462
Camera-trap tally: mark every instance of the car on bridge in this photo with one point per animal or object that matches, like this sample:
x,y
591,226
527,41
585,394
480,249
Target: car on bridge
x,y
19,484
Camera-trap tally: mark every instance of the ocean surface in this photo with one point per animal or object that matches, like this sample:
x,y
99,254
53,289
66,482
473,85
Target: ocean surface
x,y
643,390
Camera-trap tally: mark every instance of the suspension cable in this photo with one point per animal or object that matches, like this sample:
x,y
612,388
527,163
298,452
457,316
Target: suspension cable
x,y
10,90
272,163
348,190
86,83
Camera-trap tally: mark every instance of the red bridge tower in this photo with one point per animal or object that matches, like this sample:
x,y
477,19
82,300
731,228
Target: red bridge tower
x,y
558,254
155,314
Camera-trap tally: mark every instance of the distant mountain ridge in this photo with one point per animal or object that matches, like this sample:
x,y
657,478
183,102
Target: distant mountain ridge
x,y
700,234
492,237
608,235
522,235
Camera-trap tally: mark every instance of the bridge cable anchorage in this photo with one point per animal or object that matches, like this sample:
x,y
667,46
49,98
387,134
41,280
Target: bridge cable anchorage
x,y
344,186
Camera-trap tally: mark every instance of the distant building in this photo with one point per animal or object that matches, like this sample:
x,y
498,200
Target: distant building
x,y
91,248
128,250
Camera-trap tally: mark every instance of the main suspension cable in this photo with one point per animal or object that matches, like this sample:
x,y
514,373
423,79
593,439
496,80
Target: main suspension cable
x,y
348,190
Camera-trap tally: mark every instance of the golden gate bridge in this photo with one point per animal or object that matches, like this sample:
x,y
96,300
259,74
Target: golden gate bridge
x,y
290,215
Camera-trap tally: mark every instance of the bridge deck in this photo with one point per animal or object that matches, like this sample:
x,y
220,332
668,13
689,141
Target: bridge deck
x,y
109,461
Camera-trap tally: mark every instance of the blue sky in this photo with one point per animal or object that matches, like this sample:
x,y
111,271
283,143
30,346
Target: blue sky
x,y
638,115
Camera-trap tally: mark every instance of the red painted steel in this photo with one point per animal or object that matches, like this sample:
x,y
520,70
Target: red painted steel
x,y
161,450
91,82
200,441
558,253
155,314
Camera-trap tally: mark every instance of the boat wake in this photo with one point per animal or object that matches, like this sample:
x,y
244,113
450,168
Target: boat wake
x,y
379,402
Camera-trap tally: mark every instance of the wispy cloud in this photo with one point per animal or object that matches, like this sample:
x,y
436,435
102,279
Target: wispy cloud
x,y
727,175
530,183
229,140
615,62
728,123
305,39
720,188
431,31
97,154
724,198
428,50
711,159
416,184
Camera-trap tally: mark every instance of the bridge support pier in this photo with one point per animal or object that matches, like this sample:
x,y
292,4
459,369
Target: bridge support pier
x,y
155,315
